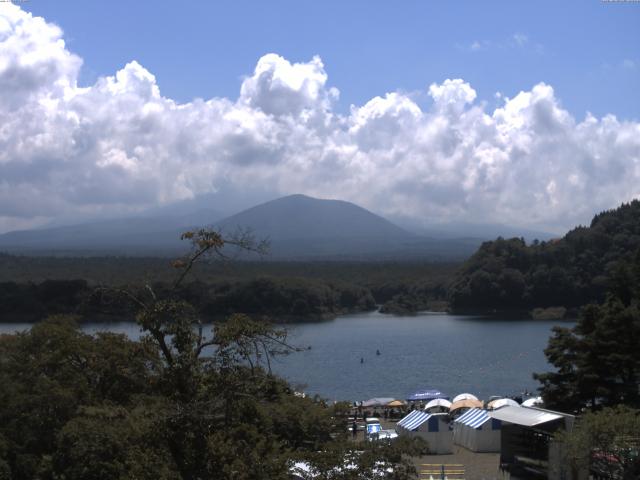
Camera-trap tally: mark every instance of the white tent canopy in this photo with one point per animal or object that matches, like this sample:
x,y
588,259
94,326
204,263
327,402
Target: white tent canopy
x,y
464,396
502,402
438,402
532,402
377,402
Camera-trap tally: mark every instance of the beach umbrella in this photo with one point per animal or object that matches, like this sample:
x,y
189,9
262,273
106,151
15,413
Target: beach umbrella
x,y
502,402
426,395
532,402
466,403
438,402
464,396
396,403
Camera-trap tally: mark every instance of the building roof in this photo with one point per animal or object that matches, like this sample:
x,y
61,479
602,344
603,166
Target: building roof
x,y
526,416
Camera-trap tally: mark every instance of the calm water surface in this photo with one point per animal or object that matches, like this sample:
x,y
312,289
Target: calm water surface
x,y
453,353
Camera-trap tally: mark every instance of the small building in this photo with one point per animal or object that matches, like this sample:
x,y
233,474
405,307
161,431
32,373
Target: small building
x,y
527,441
475,430
434,428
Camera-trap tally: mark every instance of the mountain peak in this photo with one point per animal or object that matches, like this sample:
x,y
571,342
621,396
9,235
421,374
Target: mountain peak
x,y
301,216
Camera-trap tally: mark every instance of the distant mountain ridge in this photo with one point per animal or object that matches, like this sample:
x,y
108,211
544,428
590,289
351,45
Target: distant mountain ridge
x,y
299,228
136,235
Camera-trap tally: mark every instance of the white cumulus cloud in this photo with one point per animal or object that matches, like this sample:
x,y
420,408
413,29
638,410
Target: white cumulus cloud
x,y
120,146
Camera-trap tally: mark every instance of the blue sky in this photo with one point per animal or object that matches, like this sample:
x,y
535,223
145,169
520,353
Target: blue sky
x,y
588,50
426,112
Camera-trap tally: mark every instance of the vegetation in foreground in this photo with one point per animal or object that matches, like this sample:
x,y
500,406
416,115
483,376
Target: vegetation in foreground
x,y
597,360
597,376
76,406
607,442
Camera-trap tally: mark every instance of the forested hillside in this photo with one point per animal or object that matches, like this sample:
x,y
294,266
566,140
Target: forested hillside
x,y
570,272
277,298
33,287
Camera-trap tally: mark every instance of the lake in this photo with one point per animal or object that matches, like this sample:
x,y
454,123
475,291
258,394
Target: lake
x,y
453,353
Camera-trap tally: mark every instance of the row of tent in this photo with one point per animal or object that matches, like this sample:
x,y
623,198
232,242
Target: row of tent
x,y
475,403
476,429
464,400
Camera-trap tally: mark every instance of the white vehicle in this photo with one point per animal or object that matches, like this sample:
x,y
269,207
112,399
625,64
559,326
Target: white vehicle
x,y
383,435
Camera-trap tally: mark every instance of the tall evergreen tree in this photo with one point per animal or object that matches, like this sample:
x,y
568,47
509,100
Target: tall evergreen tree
x,y
598,360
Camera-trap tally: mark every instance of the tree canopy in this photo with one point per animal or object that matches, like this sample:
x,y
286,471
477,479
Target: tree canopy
x,y
572,271
607,442
180,403
597,361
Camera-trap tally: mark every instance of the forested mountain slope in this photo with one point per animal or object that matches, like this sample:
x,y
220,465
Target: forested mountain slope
x,y
570,272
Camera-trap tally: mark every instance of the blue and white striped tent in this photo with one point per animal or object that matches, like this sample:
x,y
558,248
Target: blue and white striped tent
x,y
434,428
473,418
413,420
477,431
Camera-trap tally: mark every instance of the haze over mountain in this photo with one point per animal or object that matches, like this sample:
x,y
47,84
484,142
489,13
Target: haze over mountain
x,y
486,231
156,235
298,227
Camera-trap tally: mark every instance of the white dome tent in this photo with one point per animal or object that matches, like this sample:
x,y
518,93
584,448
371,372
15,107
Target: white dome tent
x,y
439,403
502,402
533,402
464,396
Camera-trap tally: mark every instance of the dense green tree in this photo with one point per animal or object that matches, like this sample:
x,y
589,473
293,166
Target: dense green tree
x,y
113,442
607,442
572,271
50,372
598,360
5,469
